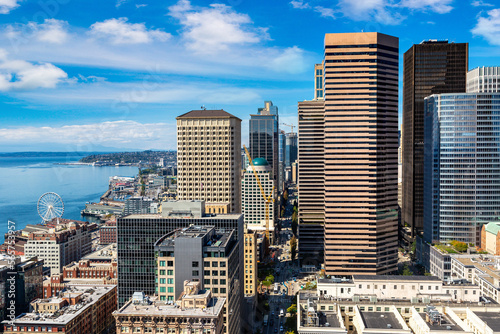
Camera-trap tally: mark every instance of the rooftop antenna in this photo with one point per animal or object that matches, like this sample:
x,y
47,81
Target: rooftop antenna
x,y
203,107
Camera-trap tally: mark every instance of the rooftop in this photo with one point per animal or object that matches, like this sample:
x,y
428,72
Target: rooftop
x,y
159,217
212,237
493,227
395,278
446,324
207,114
492,319
380,320
107,253
89,296
155,307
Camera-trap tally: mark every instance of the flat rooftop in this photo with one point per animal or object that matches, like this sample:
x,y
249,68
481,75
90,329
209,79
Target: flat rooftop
x,y
380,320
214,237
395,278
107,253
162,308
159,216
483,263
90,295
492,319
447,324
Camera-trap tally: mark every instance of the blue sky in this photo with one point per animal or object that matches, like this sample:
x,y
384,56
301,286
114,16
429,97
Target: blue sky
x,y
90,75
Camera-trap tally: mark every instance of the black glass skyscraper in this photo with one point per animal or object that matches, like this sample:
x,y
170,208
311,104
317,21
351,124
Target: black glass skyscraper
x,y
431,67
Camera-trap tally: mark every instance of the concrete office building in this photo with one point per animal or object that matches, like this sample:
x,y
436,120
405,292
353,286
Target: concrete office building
x,y
61,245
137,235
281,159
79,309
311,178
462,166
253,204
209,257
208,159
251,254
484,80
263,137
431,67
198,312
291,149
361,153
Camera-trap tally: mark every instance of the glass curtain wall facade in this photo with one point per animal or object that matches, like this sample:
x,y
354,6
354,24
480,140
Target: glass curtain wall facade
x,y
462,165
431,67
291,149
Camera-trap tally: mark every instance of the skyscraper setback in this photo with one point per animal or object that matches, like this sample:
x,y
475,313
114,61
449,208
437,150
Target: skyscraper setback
x,y
355,134
431,67
209,159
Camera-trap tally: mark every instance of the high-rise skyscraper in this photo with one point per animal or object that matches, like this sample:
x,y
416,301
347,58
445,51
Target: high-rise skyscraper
x,y
253,204
263,137
209,159
361,153
281,159
291,149
462,165
311,181
431,67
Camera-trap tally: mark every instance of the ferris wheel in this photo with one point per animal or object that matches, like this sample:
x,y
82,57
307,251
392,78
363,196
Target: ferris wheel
x,y
50,206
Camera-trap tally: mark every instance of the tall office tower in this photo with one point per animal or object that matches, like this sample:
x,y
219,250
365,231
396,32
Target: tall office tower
x,y
137,235
431,67
318,82
291,149
205,255
282,156
253,204
263,136
361,153
484,80
462,164
311,181
209,159
250,252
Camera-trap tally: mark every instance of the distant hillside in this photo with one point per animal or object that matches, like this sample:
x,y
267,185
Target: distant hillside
x,y
133,157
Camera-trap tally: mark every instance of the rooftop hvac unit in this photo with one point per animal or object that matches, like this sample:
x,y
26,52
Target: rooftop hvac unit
x,y
389,326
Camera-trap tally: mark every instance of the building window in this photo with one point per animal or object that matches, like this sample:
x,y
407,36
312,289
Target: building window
x,y
162,263
196,273
195,264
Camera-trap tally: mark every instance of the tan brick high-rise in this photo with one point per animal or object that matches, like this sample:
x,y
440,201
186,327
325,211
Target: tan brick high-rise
x,y
209,159
361,153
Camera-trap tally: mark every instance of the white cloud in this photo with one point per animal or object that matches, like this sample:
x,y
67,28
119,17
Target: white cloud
x,y
383,11
324,12
119,3
119,31
7,5
22,75
215,28
140,5
479,3
299,4
489,27
437,6
50,31
125,133
291,60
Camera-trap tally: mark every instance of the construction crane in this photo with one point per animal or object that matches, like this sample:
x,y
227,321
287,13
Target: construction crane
x,y
268,199
290,125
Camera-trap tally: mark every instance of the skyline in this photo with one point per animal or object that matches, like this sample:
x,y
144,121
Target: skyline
x,y
115,75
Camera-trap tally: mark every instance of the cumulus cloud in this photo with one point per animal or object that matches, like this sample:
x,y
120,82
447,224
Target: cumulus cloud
x,y
7,5
119,31
215,28
299,4
123,133
291,60
22,75
324,11
488,27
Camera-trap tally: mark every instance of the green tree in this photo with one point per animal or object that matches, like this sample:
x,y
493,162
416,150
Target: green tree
x,y
406,270
285,195
293,247
292,309
295,223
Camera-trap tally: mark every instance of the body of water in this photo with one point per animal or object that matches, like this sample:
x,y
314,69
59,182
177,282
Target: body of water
x,y
24,179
